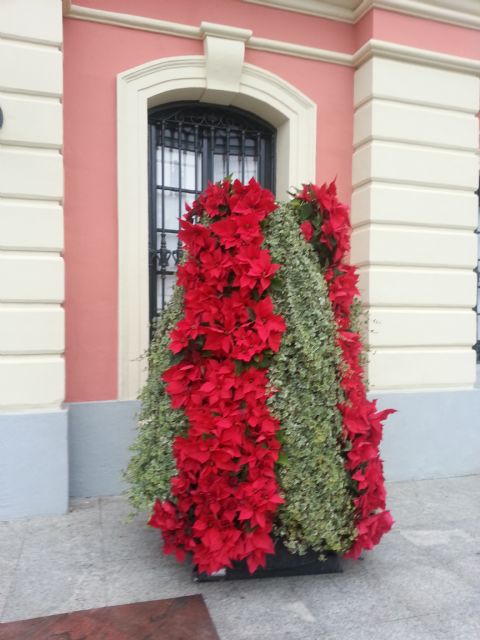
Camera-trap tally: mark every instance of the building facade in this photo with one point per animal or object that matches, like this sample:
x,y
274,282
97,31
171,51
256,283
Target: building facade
x,y
114,111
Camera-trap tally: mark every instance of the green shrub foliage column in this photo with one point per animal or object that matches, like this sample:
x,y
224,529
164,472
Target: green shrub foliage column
x,y
318,512
152,465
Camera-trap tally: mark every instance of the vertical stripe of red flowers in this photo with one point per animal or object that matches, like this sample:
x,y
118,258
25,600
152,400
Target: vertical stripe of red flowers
x,y
225,494
329,227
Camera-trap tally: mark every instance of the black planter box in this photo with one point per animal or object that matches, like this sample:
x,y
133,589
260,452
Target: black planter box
x,y
281,563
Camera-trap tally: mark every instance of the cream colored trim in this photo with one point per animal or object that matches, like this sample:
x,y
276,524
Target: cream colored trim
x,y
31,213
407,178
132,22
158,82
224,31
373,47
342,12
224,52
299,51
465,13
382,49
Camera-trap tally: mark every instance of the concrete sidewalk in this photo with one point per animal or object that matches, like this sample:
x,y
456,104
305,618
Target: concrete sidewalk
x,y
421,583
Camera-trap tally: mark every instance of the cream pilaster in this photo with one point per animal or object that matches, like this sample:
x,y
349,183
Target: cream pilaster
x,y
415,170
31,216
33,424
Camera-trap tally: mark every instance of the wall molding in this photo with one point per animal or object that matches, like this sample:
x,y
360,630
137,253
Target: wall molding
x,y
373,47
464,13
300,51
383,49
131,21
319,8
188,78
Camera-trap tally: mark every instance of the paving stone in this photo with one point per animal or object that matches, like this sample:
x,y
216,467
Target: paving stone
x,y
248,610
124,587
74,546
12,535
401,629
462,624
467,568
57,591
345,601
441,502
429,588
7,573
127,539
394,550
421,583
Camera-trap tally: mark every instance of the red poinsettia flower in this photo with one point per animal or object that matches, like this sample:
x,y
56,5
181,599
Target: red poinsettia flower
x,y
307,230
214,200
268,325
252,199
257,269
238,230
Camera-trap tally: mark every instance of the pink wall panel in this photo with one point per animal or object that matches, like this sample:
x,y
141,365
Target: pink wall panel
x,y
426,34
94,55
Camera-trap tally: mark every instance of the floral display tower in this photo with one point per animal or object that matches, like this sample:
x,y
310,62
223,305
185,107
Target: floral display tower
x,y
257,443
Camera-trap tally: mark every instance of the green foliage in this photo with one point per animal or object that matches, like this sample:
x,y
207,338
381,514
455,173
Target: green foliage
x,y
152,464
318,512
359,324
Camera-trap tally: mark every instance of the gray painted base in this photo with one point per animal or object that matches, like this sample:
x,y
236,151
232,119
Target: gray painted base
x,y
100,434
81,452
33,464
434,434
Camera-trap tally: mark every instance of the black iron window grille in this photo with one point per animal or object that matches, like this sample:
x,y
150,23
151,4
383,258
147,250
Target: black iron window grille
x,y
190,144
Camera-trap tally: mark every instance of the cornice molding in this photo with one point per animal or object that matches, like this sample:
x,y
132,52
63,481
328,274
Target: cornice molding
x,y
465,13
317,8
299,51
211,30
131,21
451,13
383,49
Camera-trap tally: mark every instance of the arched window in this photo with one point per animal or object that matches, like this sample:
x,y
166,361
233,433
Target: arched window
x,y
191,143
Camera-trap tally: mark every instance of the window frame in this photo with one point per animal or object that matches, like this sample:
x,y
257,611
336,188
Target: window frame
x,y
220,118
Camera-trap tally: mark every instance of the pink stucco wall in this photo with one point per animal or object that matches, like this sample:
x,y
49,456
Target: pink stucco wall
x,y
93,56
425,34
